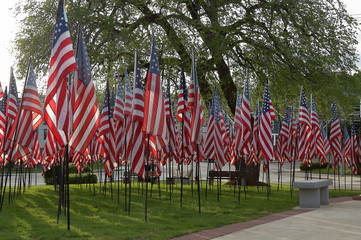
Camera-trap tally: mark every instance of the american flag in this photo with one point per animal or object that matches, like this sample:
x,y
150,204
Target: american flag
x,y
209,147
137,155
346,146
154,114
326,143
285,134
305,129
118,116
354,148
292,140
335,137
62,62
272,110
219,158
183,116
246,131
84,102
265,130
3,103
317,144
254,140
128,116
279,142
226,138
35,153
12,111
172,147
29,117
238,125
195,104
106,132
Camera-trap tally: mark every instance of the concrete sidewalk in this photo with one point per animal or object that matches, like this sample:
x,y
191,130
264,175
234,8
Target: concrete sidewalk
x,y
339,220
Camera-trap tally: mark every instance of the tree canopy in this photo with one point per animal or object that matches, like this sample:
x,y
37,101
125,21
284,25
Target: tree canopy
x,y
293,42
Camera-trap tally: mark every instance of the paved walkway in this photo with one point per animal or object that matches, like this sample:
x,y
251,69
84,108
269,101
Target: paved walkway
x,y
339,220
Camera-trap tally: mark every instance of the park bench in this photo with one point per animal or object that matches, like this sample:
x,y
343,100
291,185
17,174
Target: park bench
x,y
231,175
313,193
176,176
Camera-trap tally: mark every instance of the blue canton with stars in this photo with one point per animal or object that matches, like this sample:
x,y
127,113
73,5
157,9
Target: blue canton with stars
x,y
82,60
313,105
138,80
216,106
3,102
345,133
61,25
31,76
128,89
182,85
334,113
154,63
303,102
266,101
13,90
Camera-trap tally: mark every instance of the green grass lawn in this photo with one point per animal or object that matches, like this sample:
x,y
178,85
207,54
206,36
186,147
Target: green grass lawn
x,y
32,215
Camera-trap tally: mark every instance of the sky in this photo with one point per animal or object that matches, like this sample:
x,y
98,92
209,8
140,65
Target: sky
x,y
9,27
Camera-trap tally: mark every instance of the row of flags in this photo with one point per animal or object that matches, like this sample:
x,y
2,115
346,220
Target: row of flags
x,y
134,126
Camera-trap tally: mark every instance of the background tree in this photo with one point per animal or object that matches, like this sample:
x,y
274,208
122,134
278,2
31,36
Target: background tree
x,y
310,43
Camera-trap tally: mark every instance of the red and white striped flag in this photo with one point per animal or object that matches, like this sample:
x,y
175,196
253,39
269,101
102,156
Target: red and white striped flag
x,y
62,62
106,132
246,129
209,145
137,155
265,130
218,133
85,119
154,114
354,149
118,116
317,143
29,117
195,104
305,129
346,147
335,138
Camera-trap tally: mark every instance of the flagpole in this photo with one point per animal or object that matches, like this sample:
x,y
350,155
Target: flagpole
x,y
13,139
146,183
198,180
126,163
182,158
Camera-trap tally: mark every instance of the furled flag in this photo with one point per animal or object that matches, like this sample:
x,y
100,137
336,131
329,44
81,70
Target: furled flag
x,y
127,117
183,116
305,129
154,123
246,129
84,102
118,116
62,62
285,134
326,143
219,157
238,125
106,132
11,112
195,104
335,137
354,149
29,117
317,143
265,130
35,155
292,140
279,142
254,142
209,145
3,102
137,155
346,146
172,147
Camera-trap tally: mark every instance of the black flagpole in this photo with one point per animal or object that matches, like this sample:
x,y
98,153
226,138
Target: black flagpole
x,y
182,155
198,180
126,164
146,183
